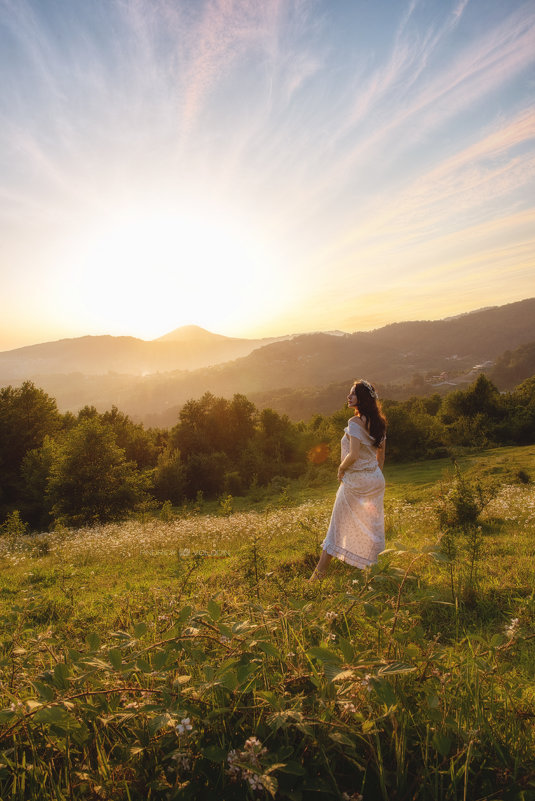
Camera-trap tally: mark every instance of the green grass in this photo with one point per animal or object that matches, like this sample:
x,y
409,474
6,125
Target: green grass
x,y
381,684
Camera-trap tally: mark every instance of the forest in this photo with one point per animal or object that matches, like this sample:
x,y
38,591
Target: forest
x,y
90,467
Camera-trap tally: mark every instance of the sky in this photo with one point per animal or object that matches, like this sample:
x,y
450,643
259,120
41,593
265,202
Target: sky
x,y
262,167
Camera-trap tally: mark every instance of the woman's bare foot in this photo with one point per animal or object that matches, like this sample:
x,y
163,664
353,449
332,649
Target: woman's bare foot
x,y
321,567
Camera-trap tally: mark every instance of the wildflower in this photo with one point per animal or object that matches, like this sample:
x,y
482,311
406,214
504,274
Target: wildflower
x,y
254,746
352,797
246,764
255,781
512,628
331,616
183,761
184,726
366,682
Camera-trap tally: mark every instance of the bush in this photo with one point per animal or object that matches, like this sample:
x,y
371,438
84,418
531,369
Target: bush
x,y
90,479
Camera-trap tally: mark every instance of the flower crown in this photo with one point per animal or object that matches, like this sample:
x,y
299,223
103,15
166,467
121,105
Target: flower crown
x,y
369,387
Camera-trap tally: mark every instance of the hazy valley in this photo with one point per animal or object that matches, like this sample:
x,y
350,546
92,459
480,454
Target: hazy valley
x,y
298,375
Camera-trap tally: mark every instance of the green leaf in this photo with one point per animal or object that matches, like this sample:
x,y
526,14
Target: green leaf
x,y
341,675
209,672
61,676
226,631
143,665
182,679
442,743
384,691
370,610
114,655
229,680
244,671
57,716
214,753
140,629
346,648
159,722
412,651
214,609
272,698
159,658
324,655
331,670
184,614
342,739
269,649
293,768
81,734
395,667
43,690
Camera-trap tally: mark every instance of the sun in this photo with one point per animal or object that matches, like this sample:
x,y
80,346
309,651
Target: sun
x,y
147,271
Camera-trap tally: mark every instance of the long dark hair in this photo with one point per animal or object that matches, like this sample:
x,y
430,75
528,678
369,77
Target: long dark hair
x,y
369,407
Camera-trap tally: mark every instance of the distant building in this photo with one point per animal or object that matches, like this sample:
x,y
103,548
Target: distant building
x,y
483,366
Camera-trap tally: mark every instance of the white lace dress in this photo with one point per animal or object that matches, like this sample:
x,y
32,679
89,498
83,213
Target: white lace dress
x,y
356,533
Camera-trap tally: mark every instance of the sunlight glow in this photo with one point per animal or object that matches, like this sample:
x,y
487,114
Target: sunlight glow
x,y
152,271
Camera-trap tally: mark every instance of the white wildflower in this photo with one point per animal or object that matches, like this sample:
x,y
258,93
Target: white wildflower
x,y
512,628
366,682
184,726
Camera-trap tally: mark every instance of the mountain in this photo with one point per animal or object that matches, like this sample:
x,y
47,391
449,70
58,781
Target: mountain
x,y
187,348
515,366
422,351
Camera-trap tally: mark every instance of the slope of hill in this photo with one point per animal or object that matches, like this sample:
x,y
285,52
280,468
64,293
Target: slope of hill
x,y
515,366
389,355
187,348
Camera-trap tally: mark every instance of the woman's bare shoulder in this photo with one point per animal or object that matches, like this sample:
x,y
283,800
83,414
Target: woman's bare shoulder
x,y
358,421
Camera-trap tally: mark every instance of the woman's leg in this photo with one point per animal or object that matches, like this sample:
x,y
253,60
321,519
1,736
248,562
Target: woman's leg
x,y
321,567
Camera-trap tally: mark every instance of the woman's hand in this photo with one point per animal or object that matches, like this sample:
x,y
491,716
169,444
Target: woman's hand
x,y
341,472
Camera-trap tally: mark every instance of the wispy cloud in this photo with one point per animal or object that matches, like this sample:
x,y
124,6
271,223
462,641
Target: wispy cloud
x,y
355,140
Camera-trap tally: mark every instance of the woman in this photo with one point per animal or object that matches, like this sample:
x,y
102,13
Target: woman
x,y
356,533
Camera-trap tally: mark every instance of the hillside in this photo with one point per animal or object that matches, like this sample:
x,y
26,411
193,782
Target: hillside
x,y
307,363
164,645
514,366
186,348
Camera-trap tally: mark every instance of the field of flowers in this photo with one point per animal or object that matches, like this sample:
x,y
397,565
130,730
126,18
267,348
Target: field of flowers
x,y
186,656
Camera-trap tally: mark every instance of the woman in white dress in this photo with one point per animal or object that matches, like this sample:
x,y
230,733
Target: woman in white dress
x,y
356,533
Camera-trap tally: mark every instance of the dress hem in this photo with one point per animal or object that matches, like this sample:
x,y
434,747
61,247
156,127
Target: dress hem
x,y
346,556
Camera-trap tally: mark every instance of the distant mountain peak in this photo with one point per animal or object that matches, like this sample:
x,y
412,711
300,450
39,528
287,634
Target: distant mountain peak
x,y
188,333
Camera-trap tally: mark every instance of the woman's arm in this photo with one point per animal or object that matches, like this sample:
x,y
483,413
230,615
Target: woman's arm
x,y
352,456
381,453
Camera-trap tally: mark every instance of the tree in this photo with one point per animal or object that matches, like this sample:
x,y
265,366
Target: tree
x,y
170,478
27,415
35,473
137,443
473,416
90,479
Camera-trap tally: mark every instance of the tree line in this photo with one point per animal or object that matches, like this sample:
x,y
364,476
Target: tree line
x,y
93,467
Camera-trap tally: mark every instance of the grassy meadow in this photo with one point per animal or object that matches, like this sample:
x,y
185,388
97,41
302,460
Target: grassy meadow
x,y
183,654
